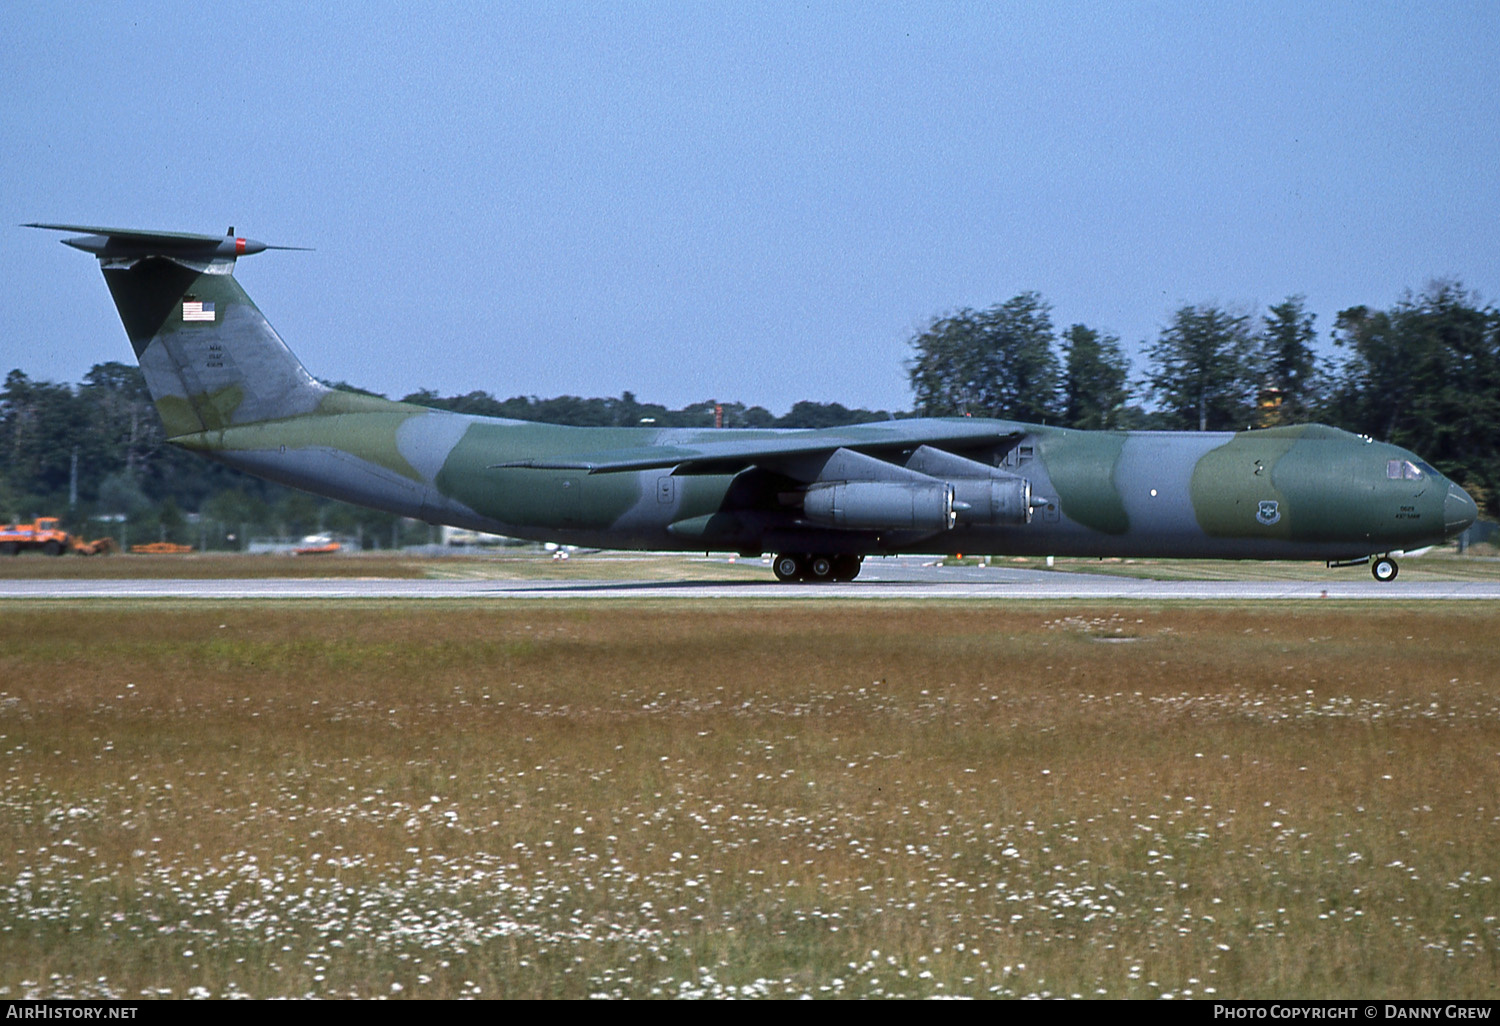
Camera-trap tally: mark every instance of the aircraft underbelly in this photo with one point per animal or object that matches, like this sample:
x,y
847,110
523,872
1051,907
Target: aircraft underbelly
x,y
332,472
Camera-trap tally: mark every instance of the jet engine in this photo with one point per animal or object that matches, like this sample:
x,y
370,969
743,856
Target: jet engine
x,y
882,505
998,499
983,495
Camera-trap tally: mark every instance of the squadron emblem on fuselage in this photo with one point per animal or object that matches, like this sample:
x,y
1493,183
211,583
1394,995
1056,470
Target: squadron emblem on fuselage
x,y
1269,512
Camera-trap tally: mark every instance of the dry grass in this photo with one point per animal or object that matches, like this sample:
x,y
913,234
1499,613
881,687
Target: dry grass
x,y
211,565
442,800
507,564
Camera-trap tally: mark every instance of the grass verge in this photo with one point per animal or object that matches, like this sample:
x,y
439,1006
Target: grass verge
x,y
451,799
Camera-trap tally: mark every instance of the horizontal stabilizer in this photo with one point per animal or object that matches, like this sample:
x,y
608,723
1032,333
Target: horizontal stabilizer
x,y
127,243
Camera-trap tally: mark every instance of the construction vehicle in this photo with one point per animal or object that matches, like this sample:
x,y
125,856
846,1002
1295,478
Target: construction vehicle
x,y
317,545
47,535
161,548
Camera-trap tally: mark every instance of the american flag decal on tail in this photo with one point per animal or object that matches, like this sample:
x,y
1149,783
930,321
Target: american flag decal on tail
x,y
197,310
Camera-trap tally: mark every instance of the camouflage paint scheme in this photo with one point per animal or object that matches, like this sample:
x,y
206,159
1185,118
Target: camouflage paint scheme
x,y
226,386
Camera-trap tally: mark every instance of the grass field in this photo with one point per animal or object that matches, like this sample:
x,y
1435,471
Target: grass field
x,y
527,564
773,799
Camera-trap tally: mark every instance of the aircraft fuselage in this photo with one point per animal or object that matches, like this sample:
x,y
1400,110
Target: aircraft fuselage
x,y
227,386
1307,492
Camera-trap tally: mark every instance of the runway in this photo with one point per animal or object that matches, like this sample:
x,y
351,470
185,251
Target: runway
x,y
886,581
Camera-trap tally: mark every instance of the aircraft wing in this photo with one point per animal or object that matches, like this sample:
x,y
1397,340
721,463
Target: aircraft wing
x,y
742,449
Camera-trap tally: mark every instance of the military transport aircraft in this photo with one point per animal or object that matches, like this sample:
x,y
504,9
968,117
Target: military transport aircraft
x,y
227,386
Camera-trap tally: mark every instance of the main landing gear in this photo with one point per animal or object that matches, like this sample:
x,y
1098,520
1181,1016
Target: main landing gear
x,y
791,566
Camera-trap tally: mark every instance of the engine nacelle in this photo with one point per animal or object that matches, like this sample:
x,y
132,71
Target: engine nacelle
x,y
998,499
882,505
985,496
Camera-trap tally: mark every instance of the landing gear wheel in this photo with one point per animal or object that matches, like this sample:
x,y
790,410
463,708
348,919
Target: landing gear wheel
x,y
820,568
846,568
787,568
1384,569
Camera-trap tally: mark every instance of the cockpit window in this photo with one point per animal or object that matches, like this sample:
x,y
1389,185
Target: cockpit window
x,y
1398,470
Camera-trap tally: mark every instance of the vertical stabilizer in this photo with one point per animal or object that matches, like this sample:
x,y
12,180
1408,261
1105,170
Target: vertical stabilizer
x,y
210,358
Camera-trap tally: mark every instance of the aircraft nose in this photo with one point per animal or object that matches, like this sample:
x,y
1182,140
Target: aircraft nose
x,y
1459,511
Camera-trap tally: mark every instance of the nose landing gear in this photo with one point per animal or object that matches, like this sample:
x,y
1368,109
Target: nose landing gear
x,y
1384,568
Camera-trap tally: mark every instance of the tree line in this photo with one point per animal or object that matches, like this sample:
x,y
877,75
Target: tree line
x,y
1424,374
96,454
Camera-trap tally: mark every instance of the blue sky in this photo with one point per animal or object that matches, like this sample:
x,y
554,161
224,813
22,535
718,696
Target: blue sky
x,y
760,203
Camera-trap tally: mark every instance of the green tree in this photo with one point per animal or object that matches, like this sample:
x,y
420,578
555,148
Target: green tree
x,y
754,417
1095,372
625,411
808,414
1426,375
40,423
238,512
124,436
171,522
120,492
477,403
998,362
298,514
1290,364
1203,372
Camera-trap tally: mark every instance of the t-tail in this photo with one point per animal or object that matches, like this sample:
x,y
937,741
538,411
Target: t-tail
x,y
210,358
228,387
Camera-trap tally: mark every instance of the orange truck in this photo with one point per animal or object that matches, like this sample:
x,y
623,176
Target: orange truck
x,y
47,535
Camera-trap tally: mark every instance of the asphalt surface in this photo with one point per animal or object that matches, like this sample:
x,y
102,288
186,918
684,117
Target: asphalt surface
x,y
882,580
